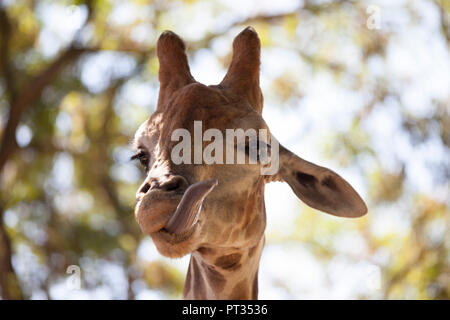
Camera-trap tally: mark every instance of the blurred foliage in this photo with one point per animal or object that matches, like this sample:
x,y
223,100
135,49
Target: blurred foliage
x,y
70,101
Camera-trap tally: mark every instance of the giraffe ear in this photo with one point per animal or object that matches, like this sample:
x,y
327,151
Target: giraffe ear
x,y
243,73
319,187
174,71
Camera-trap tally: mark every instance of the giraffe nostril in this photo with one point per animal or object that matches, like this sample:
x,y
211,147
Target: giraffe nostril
x,y
145,188
174,184
171,185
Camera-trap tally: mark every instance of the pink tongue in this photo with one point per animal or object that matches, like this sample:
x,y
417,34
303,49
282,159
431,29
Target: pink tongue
x,y
188,210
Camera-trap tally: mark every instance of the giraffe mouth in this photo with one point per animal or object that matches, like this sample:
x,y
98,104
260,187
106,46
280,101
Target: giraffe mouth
x,y
188,210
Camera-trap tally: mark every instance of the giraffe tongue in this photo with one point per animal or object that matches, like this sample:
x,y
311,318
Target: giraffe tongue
x,y
188,210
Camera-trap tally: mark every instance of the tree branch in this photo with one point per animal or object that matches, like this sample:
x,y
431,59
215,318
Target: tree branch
x,y
33,89
5,66
19,102
28,95
305,6
445,20
9,283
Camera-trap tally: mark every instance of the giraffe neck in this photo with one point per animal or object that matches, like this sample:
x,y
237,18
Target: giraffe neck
x,y
231,273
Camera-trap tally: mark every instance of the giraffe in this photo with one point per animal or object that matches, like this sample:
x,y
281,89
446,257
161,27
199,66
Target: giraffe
x,y
216,212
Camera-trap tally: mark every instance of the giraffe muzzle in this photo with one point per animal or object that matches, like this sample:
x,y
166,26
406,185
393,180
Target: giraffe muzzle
x,y
188,210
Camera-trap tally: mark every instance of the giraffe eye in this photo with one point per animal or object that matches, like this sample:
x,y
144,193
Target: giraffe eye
x,y
143,158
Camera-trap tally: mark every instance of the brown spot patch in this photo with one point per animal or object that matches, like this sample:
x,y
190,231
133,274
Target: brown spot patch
x,y
255,287
214,227
329,182
252,251
307,180
240,291
215,278
226,233
235,235
239,217
253,227
206,251
198,286
229,262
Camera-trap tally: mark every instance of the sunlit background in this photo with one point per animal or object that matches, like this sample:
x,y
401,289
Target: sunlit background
x,y
362,87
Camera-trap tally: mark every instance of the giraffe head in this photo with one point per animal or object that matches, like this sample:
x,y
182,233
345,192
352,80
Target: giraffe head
x,y
185,206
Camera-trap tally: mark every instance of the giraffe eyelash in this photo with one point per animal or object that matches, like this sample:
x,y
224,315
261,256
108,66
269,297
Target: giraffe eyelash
x,y
143,158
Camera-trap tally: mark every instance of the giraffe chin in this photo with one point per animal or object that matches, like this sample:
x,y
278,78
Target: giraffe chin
x,y
176,245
